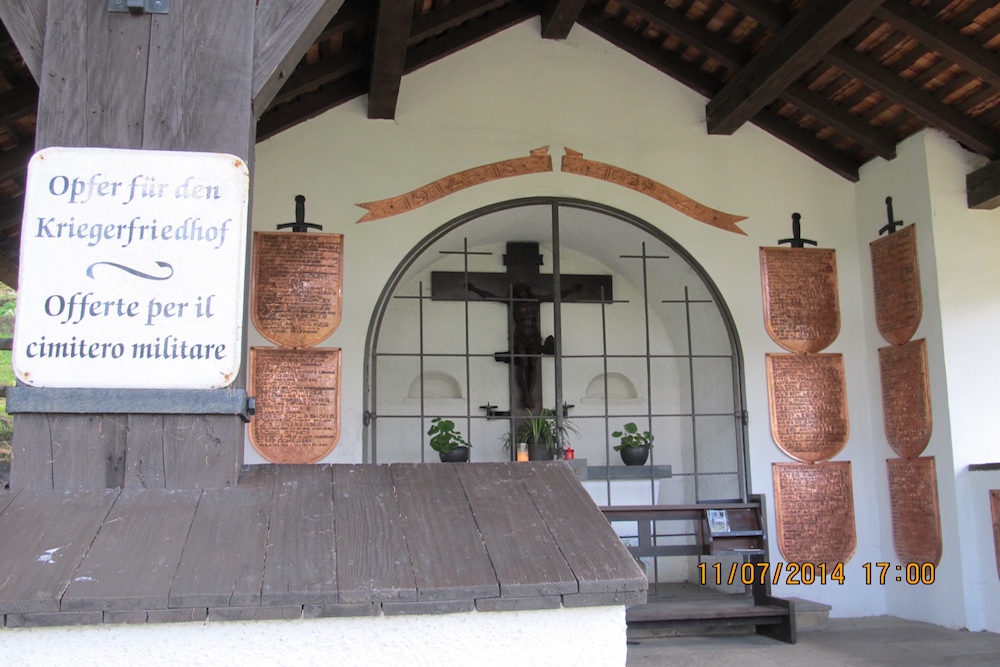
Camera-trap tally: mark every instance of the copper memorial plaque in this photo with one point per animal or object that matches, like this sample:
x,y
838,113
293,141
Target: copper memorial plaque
x,y
906,397
814,509
801,298
896,274
995,505
807,396
298,403
916,515
295,294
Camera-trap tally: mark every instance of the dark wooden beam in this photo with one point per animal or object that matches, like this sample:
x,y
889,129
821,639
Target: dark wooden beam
x,y
766,12
307,78
840,119
450,16
471,32
983,187
705,84
735,57
805,142
283,31
924,105
558,17
673,22
17,102
648,52
943,39
796,48
392,34
25,21
312,104
352,14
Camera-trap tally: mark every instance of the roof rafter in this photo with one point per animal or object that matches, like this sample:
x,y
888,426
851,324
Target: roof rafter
x,y
735,57
283,32
923,104
796,47
469,33
706,85
558,17
949,42
392,34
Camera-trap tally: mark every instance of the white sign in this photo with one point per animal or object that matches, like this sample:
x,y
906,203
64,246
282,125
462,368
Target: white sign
x,y
131,269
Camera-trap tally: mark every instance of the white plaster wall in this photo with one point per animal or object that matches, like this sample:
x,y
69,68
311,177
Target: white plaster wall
x,y
968,273
960,283
591,636
486,104
905,179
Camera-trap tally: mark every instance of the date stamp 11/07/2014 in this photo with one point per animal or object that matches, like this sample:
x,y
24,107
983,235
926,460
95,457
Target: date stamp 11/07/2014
x,y
808,574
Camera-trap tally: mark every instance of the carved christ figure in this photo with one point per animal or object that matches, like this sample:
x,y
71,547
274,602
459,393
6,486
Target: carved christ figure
x,y
526,338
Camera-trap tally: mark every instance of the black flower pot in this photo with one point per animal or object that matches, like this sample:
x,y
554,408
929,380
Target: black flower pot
x,y
540,451
635,456
457,455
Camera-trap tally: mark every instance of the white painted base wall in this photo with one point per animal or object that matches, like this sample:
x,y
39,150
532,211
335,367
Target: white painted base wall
x,y
580,637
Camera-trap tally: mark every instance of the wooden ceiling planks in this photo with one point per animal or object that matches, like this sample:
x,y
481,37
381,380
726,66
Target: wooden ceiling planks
x,y
902,65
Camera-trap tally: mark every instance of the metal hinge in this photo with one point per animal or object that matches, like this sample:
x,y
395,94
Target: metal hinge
x,y
139,6
745,416
368,417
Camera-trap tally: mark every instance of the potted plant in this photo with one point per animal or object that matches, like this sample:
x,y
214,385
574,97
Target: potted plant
x,y
541,433
448,442
634,446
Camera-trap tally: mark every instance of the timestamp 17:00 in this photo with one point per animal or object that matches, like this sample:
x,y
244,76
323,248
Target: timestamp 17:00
x,y
807,574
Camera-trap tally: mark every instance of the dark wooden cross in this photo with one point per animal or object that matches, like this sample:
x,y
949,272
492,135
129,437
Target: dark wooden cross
x,y
523,288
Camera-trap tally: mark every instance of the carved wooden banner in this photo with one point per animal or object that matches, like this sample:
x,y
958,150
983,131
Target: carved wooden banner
x,y
906,397
814,509
296,288
801,297
916,515
298,403
807,395
574,163
896,274
995,505
538,161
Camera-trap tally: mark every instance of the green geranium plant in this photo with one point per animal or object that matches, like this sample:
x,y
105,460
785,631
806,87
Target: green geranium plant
x,y
444,437
630,436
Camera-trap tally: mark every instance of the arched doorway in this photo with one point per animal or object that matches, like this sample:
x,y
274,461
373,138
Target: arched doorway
x,y
663,352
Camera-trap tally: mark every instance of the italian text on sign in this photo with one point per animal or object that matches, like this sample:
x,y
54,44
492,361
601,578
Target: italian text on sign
x,y
131,269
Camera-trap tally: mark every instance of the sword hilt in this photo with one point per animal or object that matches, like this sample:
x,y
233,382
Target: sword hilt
x,y
796,241
300,224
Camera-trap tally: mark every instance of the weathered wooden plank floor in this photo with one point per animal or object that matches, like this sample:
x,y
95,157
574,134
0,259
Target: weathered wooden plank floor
x,y
311,541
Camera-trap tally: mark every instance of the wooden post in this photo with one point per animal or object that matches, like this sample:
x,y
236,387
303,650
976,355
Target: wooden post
x,y
187,81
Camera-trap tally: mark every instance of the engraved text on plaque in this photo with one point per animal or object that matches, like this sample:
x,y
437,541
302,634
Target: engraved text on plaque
x,y
296,289
808,401
298,403
801,302
896,274
916,515
814,508
906,397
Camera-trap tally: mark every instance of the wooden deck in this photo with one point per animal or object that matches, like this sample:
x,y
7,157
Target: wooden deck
x,y
313,541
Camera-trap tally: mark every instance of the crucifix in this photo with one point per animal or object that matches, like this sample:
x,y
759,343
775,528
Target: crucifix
x,y
523,288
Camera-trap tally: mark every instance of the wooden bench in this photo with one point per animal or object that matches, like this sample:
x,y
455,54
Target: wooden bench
x,y
720,529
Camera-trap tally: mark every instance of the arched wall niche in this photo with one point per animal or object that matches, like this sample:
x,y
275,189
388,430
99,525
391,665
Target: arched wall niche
x,y
664,354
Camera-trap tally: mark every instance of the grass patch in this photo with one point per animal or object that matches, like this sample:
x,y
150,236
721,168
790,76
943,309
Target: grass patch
x,y
6,421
